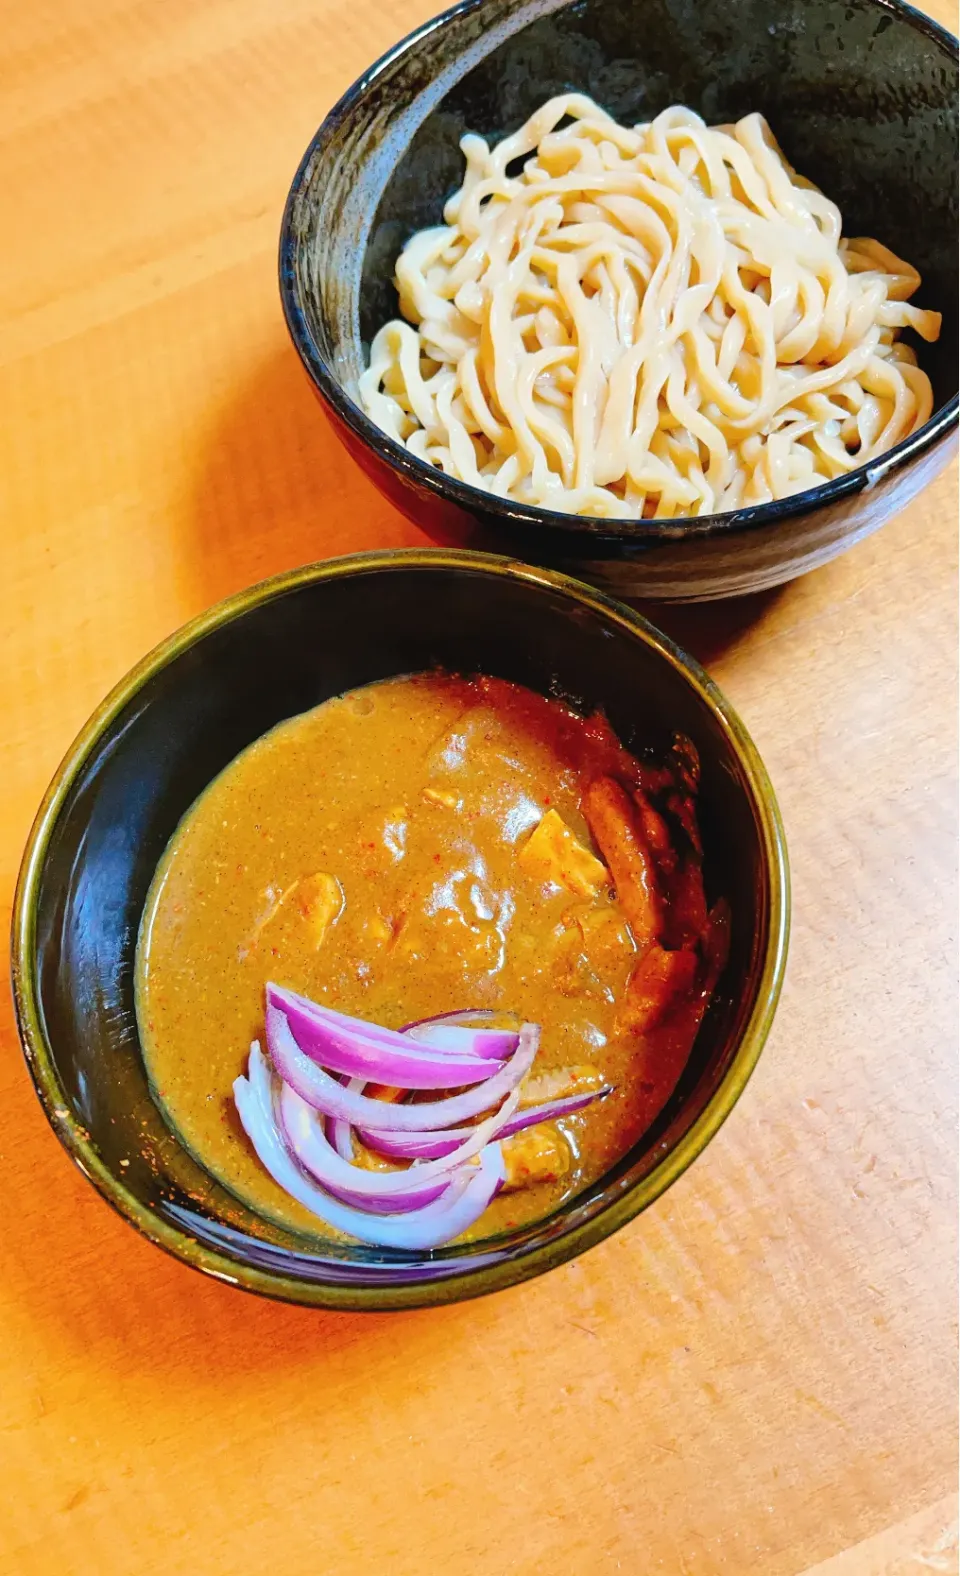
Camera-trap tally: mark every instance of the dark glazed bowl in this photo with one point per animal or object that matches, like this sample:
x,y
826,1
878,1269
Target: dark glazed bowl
x,y
206,694
863,97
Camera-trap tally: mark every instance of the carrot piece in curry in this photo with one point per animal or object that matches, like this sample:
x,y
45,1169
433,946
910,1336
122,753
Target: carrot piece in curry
x,y
659,982
680,867
686,911
656,833
614,820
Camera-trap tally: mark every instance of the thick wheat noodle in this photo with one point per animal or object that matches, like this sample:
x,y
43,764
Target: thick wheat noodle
x,y
654,321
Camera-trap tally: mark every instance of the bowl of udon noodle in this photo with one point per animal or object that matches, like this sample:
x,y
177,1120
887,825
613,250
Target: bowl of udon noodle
x,y
664,293
399,929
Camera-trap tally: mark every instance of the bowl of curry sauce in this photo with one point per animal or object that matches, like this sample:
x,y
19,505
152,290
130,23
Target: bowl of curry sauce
x,y
399,788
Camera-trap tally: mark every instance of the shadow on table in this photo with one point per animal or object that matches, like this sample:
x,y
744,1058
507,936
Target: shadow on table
x,y
709,629
276,489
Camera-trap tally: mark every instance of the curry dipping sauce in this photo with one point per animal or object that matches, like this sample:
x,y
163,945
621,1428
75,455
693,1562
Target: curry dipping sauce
x,y
424,846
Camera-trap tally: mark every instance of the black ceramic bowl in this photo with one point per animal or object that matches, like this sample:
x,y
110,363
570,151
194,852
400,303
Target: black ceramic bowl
x,y
184,713
861,94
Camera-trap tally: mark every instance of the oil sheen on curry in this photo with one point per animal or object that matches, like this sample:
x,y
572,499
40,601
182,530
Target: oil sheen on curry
x,y
461,855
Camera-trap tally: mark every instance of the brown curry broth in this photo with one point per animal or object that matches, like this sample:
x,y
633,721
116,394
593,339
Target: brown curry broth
x,y
438,915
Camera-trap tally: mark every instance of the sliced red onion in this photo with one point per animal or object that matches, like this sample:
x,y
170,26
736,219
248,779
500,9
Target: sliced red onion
x,y
428,1030
432,1145
455,1031
361,1050
304,1132
341,1133
551,1110
302,1128
414,1146
478,1039
405,1204
459,1207
325,1094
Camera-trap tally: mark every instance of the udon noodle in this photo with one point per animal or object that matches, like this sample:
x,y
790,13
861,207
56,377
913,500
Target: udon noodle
x,y
661,320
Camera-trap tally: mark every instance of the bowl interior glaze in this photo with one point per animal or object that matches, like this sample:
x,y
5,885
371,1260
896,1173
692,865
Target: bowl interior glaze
x,y
185,713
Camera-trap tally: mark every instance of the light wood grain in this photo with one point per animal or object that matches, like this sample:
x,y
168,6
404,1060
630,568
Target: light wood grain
x,y
756,1377
926,1542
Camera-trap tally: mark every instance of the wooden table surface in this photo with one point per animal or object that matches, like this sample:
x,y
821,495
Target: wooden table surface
x,y
755,1377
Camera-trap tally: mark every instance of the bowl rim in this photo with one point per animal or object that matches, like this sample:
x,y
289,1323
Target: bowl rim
x,y
467,1283
508,512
